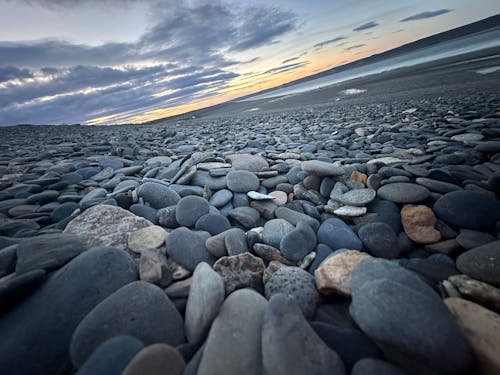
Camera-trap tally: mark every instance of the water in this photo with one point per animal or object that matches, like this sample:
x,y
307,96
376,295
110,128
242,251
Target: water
x,y
455,47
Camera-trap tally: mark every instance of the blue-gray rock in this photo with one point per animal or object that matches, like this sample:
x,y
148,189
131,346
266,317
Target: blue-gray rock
x,y
468,209
389,304
358,197
241,181
144,211
158,195
482,263
213,224
403,192
294,217
337,235
190,209
139,309
63,211
373,366
380,240
187,247
296,282
221,198
290,346
296,244
275,230
112,356
321,168
322,252
246,216
72,292
166,217
8,260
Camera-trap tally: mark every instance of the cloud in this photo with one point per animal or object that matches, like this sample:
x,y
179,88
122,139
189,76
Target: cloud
x,y
365,26
8,73
354,47
290,59
286,68
329,41
424,15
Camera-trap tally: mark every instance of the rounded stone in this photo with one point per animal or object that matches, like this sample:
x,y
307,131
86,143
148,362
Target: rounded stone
x,y
242,181
358,197
299,242
156,359
321,168
275,230
158,195
187,247
403,192
190,209
380,240
151,237
418,223
213,224
482,263
338,235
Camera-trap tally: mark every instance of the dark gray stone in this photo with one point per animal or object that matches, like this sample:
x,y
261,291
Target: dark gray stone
x,y
187,247
190,209
241,181
337,235
482,263
373,366
403,192
380,240
158,195
213,224
296,244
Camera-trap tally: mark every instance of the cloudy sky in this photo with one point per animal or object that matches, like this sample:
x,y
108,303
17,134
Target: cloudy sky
x,y
122,61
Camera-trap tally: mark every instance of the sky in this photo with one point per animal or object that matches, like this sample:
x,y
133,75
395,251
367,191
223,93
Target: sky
x,y
133,61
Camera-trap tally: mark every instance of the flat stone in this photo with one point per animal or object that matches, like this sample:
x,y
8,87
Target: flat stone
x,y
154,269
350,211
418,223
297,243
373,366
206,296
248,162
467,137
275,230
469,239
380,240
481,327
158,195
321,168
437,186
358,197
190,209
293,217
221,198
477,291
290,345
233,345
246,216
240,271
151,237
212,223
337,235
279,197
403,192
155,359
482,263
242,181
105,225
259,196
334,273
138,309
188,247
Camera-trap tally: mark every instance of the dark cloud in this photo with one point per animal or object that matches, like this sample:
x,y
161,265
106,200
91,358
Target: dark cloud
x,y
286,68
366,26
290,59
354,47
329,41
8,73
424,15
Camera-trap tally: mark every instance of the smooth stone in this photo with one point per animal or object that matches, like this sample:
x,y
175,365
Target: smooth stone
x,y
248,162
188,248
436,185
72,291
138,309
213,224
488,147
154,269
481,327
156,359
279,197
337,235
158,195
373,366
63,211
293,217
467,137
275,230
477,291
158,161
48,251
419,224
151,237
380,240
112,356
105,225
322,252
358,197
299,242
190,209
242,181
269,253
246,216
259,196
482,263
43,197
240,271
467,209
233,345
469,239
221,198
403,192
321,168
166,217
235,241
350,211
8,257
290,345
334,274
266,208
388,303
295,282
206,296
203,178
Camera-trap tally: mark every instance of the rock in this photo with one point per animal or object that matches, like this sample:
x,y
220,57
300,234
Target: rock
x,y
63,211
403,192
233,345
221,198
481,327
240,271
469,239
467,137
321,168
296,244
293,217
246,216
48,251
72,291
8,260
138,309
158,195
334,273
156,359
247,162
259,196
468,209
151,237
482,263
105,225
112,356
436,185
380,240
190,209
480,292
166,217
418,223
350,211
358,197
242,181
188,248
275,230
206,296
337,235
235,241
388,303
153,268
212,223
373,366
290,345
269,253
279,197
295,282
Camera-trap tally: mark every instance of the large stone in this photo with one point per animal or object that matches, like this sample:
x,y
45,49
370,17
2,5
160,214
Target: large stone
x,y
48,251
158,195
156,359
233,345
389,303
242,181
337,235
188,248
111,357
275,230
373,366
148,238
190,209
418,223
380,240
213,224
293,217
481,327
467,209
47,318
334,274
206,295
403,192
105,225
296,244
477,291
358,197
290,346
240,271
248,217
482,263
253,163
321,168
139,309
